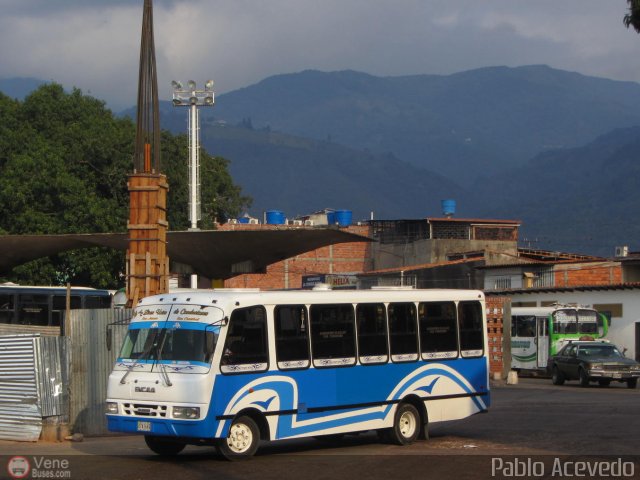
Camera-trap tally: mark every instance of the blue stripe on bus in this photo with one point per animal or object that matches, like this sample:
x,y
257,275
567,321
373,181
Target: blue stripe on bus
x,y
172,324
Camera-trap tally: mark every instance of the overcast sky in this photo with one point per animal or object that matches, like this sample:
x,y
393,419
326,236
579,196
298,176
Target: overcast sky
x,y
94,44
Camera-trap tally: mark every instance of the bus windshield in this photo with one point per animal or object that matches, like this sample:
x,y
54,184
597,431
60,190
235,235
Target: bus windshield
x,y
571,320
147,344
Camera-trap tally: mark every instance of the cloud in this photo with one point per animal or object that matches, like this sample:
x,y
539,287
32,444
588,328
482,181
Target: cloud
x,y
95,44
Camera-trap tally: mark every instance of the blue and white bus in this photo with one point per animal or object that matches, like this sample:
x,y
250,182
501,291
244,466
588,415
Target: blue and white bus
x,y
233,367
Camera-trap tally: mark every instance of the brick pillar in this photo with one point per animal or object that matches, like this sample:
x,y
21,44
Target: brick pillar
x,y
147,261
499,335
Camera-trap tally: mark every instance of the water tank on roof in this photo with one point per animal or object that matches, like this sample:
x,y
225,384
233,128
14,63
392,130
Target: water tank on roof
x,y
275,217
448,207
343,217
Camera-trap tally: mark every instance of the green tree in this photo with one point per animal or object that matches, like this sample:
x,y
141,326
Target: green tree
x,y
64,161
632,18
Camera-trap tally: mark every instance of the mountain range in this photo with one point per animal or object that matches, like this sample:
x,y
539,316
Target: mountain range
x,y
551,148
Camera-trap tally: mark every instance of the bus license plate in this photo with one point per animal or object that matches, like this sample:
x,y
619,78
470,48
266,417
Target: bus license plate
x,y
617,375
144,426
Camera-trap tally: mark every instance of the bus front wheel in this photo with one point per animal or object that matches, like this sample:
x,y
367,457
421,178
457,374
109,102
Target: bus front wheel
x,y
242,441
406,425
164,446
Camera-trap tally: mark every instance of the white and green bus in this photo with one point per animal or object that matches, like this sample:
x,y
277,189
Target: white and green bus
x,y
538,332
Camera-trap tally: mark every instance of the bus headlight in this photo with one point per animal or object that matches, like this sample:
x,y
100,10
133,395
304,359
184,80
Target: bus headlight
x,y
112,408
189,413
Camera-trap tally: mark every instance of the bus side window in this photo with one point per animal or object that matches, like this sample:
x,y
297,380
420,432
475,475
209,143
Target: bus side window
x,y
438,330
59,306
245,348
33,309
333,335
403,332
526,326
371,319
292,336
7,308
471,329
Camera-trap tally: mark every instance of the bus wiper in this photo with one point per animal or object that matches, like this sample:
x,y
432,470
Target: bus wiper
x,y
163,368
130,368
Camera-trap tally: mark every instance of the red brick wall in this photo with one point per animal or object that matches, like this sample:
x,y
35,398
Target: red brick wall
x,y
339,258
603,273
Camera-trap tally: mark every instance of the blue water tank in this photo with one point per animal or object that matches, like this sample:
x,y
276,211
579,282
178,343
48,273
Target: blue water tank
x,y
275,217
331,217
244,219
343,217
448,207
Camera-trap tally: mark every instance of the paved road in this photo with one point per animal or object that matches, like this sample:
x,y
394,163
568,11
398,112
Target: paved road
x,y
533,421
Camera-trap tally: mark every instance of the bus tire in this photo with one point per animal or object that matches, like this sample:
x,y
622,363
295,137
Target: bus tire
x,y
166,447
557,378
632,383
242,441
406,425
584,378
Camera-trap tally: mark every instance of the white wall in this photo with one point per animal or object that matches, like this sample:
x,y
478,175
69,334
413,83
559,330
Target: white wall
x,y
622,331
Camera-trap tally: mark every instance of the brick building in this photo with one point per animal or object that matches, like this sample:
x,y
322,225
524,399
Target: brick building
x,y
354,257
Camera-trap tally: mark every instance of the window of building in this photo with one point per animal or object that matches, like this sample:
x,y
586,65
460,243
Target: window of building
x,y
438,330
403,332
371,319
471,329
245,348
292,336
333,335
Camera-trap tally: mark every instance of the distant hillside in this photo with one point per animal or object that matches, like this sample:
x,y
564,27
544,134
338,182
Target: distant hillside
x,y
583,199
466,125
300,176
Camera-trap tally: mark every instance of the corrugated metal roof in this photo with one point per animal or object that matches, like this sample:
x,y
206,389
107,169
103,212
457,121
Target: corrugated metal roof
x,y
577,288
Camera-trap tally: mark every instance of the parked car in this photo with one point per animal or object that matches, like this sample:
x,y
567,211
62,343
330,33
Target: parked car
x,y
593,361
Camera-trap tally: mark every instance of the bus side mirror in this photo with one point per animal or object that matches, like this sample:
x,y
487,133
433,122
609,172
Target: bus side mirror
x,y
109,338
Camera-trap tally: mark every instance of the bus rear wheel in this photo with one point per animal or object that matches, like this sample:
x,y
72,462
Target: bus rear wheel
x,y
242,441
406,425
164,446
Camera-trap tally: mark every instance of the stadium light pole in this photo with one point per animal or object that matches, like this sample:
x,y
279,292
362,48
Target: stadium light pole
x,y
193,98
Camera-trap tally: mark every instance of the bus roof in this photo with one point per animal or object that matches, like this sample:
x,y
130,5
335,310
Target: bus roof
x,y
544,311
42,289
239,297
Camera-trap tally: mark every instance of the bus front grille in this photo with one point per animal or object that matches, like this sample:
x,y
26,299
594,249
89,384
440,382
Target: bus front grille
x,y
145,410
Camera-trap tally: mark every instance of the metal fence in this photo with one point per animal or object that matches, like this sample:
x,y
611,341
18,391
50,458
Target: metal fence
x,y
62,379
20,412
91,363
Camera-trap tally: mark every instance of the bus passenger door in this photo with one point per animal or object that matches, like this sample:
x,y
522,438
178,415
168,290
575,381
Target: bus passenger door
x,y
542,340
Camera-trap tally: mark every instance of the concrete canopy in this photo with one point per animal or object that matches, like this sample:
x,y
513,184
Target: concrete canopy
x,y
211,253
